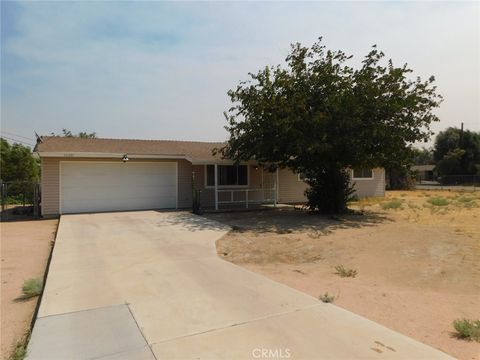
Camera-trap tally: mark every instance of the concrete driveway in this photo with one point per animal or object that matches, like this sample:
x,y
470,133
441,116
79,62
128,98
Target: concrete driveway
x,y
146,285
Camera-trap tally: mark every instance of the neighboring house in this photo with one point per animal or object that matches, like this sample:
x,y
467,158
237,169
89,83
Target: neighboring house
x,y
89,175
424,172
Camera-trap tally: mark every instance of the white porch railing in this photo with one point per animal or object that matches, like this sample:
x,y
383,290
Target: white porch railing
x,y
250,196
247,191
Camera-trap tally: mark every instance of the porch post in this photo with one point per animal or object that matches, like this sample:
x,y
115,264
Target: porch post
x,y
216,186
275,188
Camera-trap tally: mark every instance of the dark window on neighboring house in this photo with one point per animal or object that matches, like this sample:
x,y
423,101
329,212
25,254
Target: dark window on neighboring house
x,y
362,173
228,175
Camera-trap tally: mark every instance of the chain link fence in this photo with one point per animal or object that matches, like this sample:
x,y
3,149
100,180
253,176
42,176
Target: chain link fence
x,y
454,182
459,180
20,200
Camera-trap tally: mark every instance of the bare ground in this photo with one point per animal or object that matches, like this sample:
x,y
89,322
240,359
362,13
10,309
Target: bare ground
x,y
418,265
25,247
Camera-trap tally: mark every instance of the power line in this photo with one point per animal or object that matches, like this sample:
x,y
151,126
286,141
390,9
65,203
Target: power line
x,y
15,135
17,141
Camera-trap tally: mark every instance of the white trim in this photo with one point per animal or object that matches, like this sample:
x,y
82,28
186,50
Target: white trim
x,y
362,178
79,154
298,178
277,192
206,186
59,187
109,162
42,172
176,183
110,155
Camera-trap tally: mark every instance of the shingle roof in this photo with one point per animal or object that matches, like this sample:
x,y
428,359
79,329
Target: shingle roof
x,y
423,167
195,150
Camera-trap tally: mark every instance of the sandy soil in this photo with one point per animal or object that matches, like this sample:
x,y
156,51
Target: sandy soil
x,y
25,247
418,265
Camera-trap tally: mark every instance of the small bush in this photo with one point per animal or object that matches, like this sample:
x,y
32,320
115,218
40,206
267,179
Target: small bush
x,y
326,298
470,205
467,329
465,199
32,288
393,204
467,202
344,272
438,201
19,348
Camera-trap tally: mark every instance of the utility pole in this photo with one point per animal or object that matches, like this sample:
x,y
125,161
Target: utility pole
x,y
461,135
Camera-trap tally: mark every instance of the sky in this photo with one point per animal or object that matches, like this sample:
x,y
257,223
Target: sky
x,y
161,70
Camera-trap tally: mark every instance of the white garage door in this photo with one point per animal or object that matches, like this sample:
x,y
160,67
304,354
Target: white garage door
x,y
105,186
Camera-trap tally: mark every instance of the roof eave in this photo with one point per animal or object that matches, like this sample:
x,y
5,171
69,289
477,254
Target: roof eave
x,y
64,154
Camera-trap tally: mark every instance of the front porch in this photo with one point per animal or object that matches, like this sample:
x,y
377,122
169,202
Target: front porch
x,y
228,186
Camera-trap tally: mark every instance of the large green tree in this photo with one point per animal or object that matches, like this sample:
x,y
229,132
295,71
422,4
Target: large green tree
x,y
457,152
17,163
81,134
423,156
318,115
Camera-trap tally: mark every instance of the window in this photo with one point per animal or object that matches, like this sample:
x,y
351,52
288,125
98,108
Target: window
x,y
228,175
362,174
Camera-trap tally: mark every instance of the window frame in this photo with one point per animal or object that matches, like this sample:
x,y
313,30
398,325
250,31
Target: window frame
x,y
206,186
362,178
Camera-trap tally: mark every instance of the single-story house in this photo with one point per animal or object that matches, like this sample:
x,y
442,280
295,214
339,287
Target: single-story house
x,y
92,175
424,172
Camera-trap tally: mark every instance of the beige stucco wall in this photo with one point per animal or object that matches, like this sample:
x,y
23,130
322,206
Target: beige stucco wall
x,y
371,187
51,181
291,190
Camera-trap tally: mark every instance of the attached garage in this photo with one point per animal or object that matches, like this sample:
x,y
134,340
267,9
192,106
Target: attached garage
x,y
90,186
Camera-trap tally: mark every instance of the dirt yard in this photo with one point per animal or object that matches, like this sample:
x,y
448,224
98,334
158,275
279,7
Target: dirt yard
x,y
25,247
417,254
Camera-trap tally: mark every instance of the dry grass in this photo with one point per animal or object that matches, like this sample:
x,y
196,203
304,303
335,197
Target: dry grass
x,y
25,247
345,272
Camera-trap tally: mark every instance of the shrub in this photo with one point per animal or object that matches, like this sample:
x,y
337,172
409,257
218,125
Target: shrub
x,y
465,199
19,348
467,329
345,272
470,205
438,201
393,204
326,298
32,288
330,190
